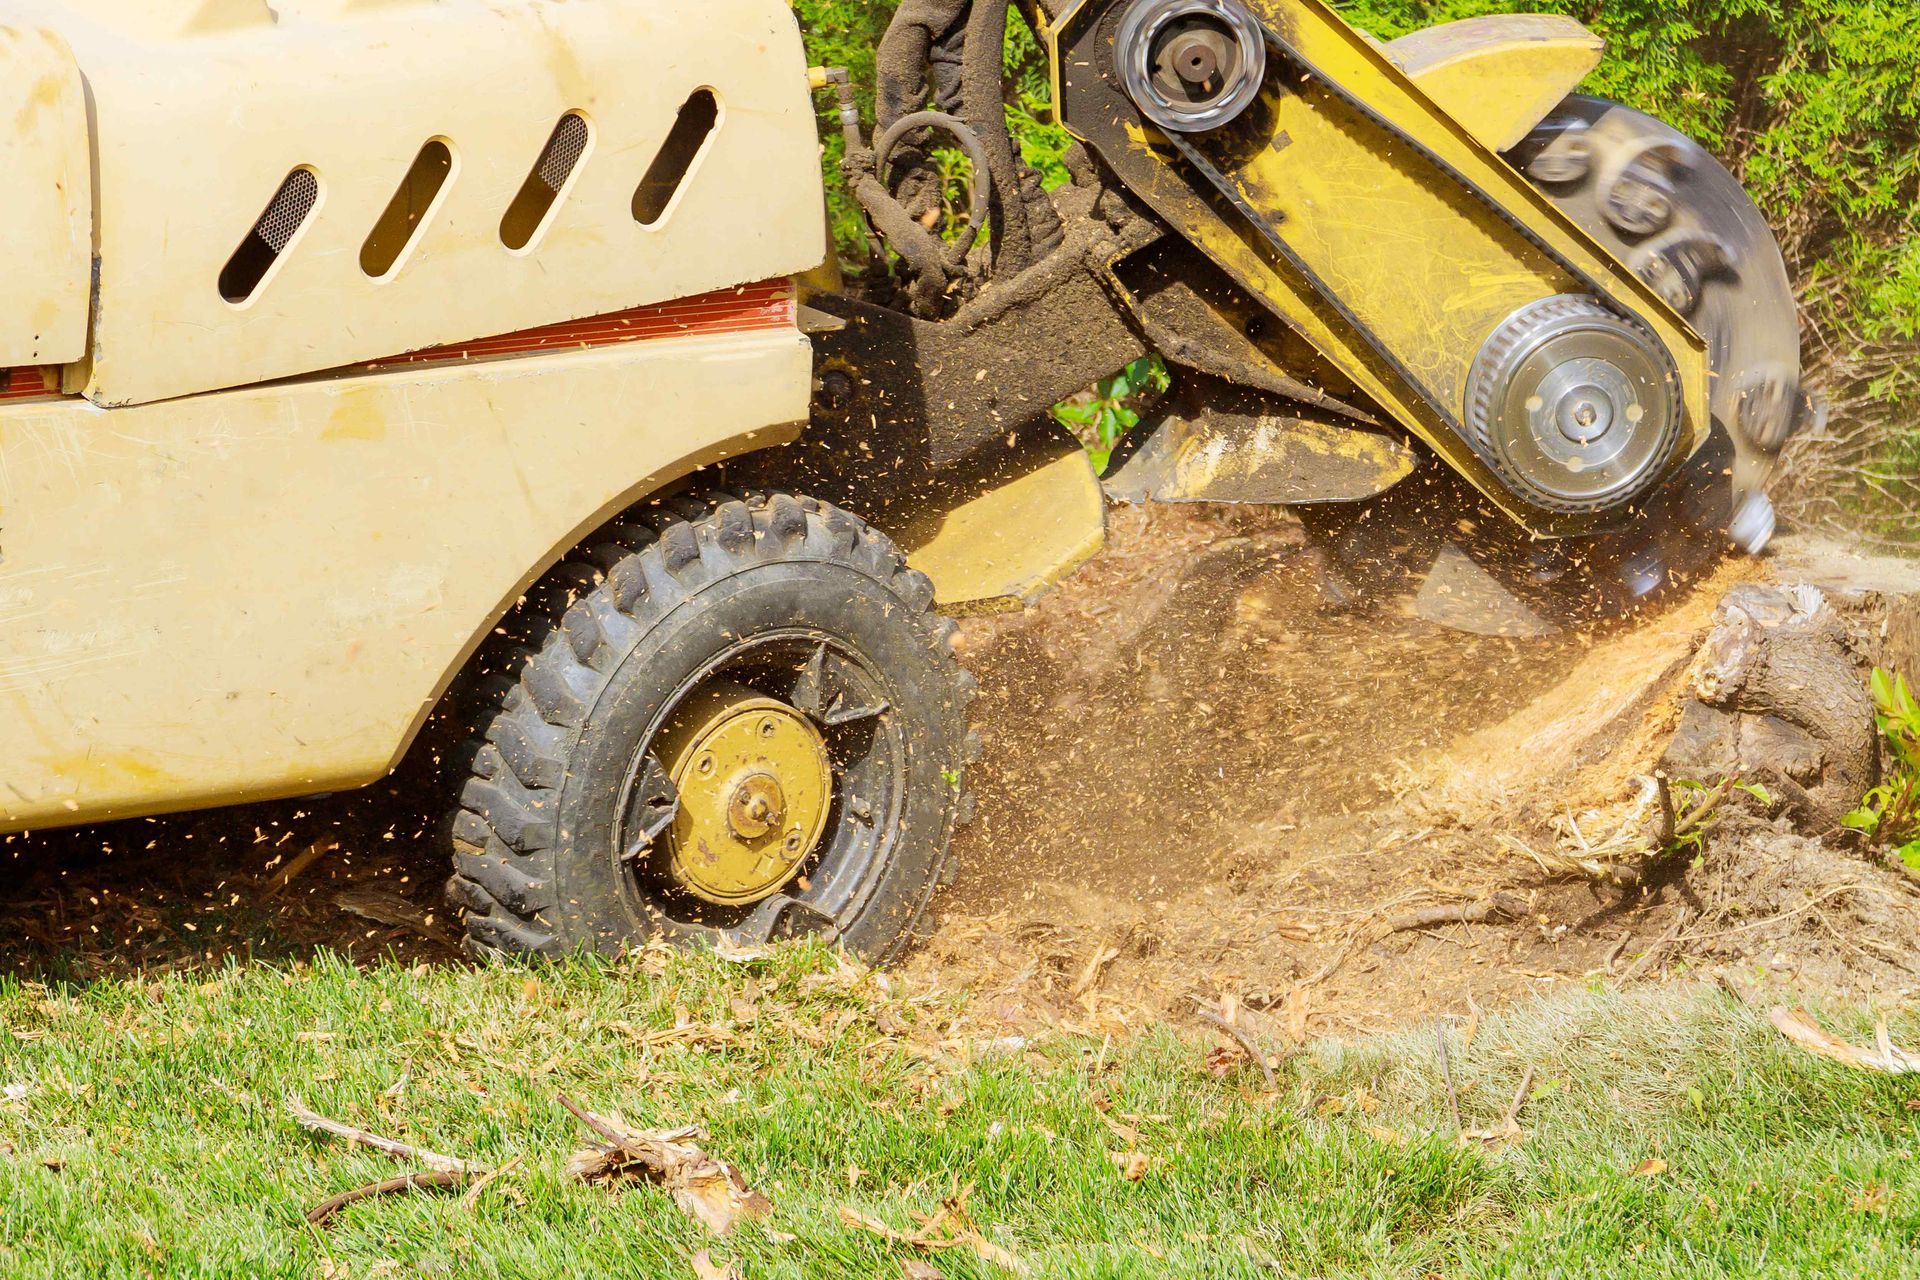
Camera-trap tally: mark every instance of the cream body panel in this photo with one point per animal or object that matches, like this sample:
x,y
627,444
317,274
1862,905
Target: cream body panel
x,y
261,593
203,109
46,208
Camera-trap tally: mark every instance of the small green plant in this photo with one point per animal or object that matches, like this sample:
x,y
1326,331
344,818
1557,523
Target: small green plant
x,y
1889,815
1112,409
1694,805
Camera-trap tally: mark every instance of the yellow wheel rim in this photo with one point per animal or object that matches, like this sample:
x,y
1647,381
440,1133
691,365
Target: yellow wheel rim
x,y
755,785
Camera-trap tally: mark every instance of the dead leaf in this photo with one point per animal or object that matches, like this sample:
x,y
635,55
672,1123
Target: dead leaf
x,y
709,1190
1798,1026
707,1269
915,1269
950,1228
1871,1199
1380,1133
1133,1164
1651,1167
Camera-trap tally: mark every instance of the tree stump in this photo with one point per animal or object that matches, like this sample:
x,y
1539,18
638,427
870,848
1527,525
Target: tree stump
x,y
1780,698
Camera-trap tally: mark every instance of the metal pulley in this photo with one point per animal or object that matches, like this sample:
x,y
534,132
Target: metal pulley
x,y
1575,406
1190,65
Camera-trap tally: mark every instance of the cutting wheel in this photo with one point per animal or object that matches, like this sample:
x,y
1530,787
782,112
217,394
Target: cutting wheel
x,y
1671,212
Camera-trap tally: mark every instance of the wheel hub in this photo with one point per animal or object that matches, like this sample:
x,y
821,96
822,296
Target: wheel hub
x,y
1576,407
755,785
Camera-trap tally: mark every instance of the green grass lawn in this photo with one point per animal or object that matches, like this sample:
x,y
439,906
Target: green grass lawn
x,y
143,1133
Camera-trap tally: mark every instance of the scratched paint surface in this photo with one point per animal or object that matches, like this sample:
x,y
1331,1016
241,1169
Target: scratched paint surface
x,y
261,592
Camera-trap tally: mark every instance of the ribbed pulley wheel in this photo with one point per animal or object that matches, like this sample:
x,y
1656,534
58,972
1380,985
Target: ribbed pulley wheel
x,y
1190,65
1577,407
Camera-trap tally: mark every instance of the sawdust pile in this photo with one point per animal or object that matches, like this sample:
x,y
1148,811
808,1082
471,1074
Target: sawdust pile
x,y
1203,785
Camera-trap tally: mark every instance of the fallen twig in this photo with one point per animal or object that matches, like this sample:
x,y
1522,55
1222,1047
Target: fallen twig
x,y
432,1179
311,1119
1508,1130
1520,1096
1500,906
604,1127
1798,1026
1242,1037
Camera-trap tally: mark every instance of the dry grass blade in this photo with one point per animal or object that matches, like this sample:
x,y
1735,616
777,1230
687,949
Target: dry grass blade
x,y
709,1190
471,1200
311,1119
1798,1026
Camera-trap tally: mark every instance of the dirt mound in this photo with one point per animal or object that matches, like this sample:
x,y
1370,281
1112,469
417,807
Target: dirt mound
x,y
1201,783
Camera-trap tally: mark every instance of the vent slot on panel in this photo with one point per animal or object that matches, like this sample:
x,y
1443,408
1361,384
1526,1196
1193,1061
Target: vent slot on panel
x,y
285,215
408,211
669,169
558,161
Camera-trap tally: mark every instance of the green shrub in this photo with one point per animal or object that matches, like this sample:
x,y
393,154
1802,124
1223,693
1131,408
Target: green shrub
x,y
1816,103
1889,815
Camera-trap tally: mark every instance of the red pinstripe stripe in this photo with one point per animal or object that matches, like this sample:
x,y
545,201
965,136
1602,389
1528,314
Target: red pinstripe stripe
x,y
29,382
746,308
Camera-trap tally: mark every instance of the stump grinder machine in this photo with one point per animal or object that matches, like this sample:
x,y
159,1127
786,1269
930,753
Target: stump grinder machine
x,y
477,381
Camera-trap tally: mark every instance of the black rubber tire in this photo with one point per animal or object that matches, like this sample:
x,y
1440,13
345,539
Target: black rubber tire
x,y
613,636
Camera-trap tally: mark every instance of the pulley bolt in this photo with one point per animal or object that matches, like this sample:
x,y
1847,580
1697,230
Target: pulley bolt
x,y
1195,61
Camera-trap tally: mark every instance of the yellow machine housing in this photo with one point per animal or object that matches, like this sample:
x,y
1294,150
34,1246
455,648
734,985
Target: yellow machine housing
x,y
1405,240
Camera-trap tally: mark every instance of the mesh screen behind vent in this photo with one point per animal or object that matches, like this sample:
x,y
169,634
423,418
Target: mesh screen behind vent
x,y
285,214
551,172
564,149
290,207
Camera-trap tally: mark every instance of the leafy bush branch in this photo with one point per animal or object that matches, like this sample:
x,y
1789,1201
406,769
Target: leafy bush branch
x,y
1889,815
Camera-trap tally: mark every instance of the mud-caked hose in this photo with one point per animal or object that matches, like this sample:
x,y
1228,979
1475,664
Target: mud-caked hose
x,y
977,208
920,46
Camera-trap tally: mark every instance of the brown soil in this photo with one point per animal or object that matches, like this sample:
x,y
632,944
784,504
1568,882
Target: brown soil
x,y
1202,784
1199,783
